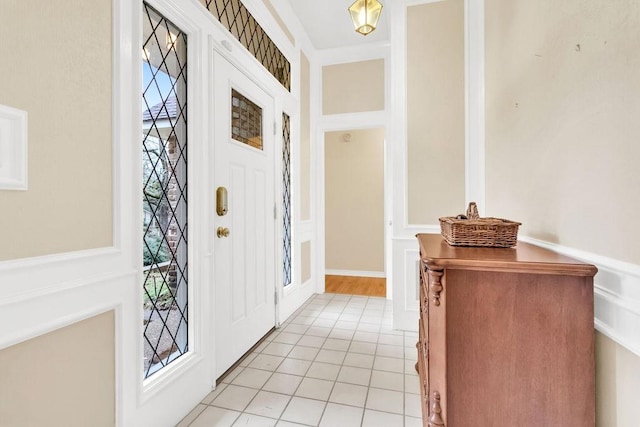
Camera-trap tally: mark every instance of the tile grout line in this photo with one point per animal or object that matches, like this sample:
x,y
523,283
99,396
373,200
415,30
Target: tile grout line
x,y
336,380
318,307
292,395
262,387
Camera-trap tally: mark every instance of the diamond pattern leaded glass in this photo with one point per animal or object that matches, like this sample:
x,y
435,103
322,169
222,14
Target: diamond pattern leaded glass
x,y
235,17
164,198
286,199
246,120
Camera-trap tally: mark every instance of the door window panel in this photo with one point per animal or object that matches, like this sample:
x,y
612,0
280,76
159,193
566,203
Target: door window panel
x,y
246,120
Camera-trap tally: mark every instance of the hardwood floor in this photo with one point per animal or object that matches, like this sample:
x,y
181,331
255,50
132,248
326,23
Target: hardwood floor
x,y
367,286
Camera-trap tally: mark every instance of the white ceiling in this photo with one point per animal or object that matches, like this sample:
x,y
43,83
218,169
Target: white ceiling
x,y
329,25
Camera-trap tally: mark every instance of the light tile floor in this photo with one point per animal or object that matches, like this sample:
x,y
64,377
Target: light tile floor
x,y
336,362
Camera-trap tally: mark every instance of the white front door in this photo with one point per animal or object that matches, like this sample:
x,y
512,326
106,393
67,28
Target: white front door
x,y
244,259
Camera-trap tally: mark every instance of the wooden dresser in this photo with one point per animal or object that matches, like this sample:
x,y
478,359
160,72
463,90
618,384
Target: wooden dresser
x,y
506,337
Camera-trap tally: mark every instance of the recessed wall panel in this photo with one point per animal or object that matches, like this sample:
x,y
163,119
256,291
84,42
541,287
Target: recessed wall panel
x,y
354,87
56,66
305,138
435,111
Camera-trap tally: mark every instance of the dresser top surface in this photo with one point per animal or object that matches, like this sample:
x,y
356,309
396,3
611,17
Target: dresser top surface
x,y
524,257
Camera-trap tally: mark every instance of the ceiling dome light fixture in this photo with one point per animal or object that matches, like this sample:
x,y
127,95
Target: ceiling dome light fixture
x,y
365,15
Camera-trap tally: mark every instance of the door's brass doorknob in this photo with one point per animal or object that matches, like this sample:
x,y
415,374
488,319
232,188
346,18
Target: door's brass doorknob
x,y
222,232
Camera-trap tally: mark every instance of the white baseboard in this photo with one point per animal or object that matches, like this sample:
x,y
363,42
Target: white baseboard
x,y
616,293
356,273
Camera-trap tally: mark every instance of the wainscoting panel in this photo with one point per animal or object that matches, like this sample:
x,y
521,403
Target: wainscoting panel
x,y
406,304
617,294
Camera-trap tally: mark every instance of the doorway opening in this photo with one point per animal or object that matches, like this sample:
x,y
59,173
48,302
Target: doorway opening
x,y
354,212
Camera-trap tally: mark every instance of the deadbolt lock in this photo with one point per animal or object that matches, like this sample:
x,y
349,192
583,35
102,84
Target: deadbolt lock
x,y
222,206
222,232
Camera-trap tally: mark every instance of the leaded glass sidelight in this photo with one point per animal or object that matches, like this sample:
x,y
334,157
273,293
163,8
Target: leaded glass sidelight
x,y
246,120
164,198
286,199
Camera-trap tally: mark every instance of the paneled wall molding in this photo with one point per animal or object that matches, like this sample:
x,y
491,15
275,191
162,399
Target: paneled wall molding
x,y
419,2
40,294
402,269
28,278
405,276
397,156
58,302
616,289
409,232
13,148
348,54
397,72
352,121
617,294
474,103
37,316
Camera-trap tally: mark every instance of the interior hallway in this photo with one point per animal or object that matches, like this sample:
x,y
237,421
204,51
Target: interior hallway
x,y
335,362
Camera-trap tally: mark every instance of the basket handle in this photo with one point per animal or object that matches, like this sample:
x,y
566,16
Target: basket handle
x,y
472,211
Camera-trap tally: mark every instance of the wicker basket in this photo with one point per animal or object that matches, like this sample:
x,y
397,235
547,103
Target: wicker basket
x,y
483,232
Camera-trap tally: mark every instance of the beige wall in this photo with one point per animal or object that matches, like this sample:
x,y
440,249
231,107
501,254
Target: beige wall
x,y
435,111
56,65
617,384
562,108
353,87
305,138
354,200
562,121
65,378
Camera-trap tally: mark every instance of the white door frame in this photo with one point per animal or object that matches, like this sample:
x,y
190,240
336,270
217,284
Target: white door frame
x,y
135,398
225,73
369,123
294,295
168,395
348,123
354,121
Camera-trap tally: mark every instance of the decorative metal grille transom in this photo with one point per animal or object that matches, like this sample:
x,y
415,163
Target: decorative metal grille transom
x,y
235,17
246,120
286,199
164,198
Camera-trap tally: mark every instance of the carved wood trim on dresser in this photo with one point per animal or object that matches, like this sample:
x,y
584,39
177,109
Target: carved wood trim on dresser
x,y
505,337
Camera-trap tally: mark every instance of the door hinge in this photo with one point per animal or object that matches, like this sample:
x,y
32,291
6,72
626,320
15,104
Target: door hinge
x,y
275,128
275,211
275,297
